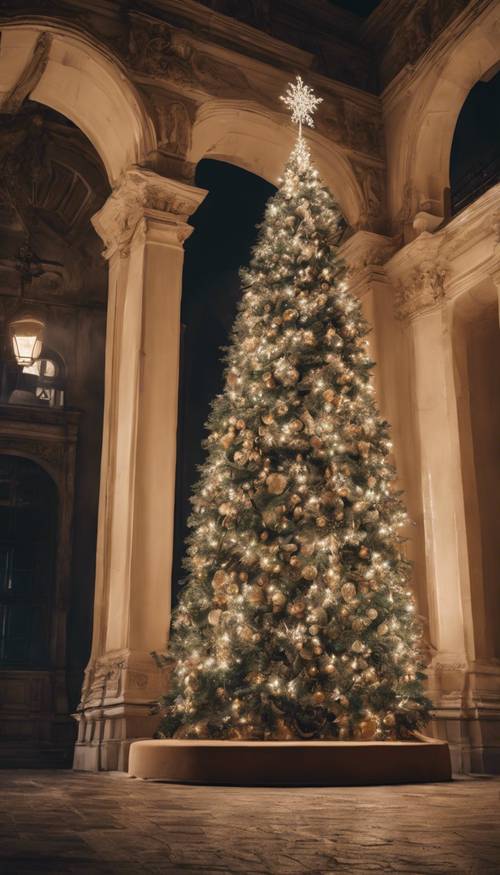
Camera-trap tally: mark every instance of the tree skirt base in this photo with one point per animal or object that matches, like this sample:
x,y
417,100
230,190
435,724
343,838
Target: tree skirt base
x,y
291,763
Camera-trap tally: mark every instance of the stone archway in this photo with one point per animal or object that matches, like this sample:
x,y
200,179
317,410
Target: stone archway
x,y
97,96
261,141
421,143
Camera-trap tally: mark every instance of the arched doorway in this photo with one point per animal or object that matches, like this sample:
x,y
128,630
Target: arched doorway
x,y
28,542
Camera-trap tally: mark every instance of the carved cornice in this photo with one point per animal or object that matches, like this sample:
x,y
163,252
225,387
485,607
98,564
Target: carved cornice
x,y
139,194
365,254
444,264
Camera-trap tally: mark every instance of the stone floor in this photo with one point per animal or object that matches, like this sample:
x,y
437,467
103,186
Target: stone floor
x,y
62,822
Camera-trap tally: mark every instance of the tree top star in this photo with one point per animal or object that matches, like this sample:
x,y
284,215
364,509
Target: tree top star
x,y
300,98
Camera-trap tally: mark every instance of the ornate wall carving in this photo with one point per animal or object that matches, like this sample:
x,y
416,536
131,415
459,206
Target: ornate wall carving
x,y
407,30
424,289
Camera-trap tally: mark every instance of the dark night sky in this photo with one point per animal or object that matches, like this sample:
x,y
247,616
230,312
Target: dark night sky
x,y
225,231
363,8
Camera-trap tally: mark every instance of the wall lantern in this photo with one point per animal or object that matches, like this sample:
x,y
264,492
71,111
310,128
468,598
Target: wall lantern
x,y
26,334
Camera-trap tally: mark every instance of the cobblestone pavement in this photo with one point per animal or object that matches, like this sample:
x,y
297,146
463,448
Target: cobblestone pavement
x,y
62,822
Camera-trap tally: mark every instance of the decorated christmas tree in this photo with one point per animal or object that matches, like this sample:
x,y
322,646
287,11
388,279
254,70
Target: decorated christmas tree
x,y
296,619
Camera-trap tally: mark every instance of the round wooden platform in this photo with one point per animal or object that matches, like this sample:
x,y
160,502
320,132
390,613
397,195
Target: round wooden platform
x,y
291,763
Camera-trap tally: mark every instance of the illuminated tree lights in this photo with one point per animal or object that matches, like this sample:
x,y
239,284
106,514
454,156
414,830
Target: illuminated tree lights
x,y
296,619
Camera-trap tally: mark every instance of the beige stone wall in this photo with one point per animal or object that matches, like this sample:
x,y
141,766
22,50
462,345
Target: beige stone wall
x,y
155,94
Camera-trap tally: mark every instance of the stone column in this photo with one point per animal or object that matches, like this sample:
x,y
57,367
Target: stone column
x,y
422,305
143,225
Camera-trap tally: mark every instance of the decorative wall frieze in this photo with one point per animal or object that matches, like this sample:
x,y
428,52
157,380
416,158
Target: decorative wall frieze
x,y
356,128
140,192
158,50
423,290
404,32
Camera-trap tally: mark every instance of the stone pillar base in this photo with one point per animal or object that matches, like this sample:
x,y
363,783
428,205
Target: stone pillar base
x,y
467,714
119,695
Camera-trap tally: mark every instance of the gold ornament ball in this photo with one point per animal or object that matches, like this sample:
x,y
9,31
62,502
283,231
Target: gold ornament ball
x,y
364,552
214,617
219,579
256,596
313,671
276,483
278,600
367,728
309,572
348,591
318,697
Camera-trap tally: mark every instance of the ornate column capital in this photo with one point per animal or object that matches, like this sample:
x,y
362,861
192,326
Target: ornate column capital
x,y
139,195
419,272
421,291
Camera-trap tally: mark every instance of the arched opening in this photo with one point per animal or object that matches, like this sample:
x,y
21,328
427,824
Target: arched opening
x,y
261,142
475,151
52,182
97,95
28,542
477,360
421,148
225,231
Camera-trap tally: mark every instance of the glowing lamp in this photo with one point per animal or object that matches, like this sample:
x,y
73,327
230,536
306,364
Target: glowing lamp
x,y
27,337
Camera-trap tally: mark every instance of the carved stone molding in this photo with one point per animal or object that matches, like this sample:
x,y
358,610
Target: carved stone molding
x,y
403,38
163,52
365,250
372,183
30,76
138,193
421,291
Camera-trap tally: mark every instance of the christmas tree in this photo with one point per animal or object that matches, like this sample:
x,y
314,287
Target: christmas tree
x,y
296,620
